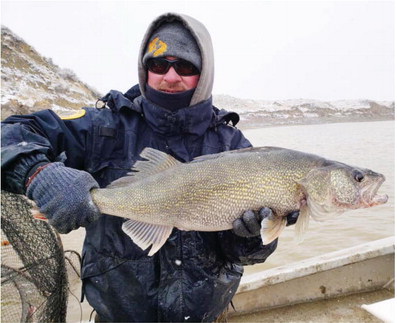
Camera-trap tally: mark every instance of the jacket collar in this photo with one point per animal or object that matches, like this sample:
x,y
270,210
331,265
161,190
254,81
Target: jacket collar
x,y
190,120
195,119
117,101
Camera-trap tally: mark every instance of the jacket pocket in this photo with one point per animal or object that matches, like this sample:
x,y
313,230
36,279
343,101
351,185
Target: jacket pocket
x,y
112,148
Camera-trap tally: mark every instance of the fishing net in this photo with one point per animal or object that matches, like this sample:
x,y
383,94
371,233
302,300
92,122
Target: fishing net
x,y
35,270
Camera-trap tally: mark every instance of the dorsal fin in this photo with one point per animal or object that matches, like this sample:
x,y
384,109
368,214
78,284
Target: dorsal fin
x,y
156,162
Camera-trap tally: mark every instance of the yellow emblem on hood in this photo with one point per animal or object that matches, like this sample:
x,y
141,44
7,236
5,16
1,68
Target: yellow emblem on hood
x,y
72,114
157,47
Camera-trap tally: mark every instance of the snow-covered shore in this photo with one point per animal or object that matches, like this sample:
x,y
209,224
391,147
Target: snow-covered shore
x,y
264,113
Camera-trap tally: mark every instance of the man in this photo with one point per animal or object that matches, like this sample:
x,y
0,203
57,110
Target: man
x,y
56,162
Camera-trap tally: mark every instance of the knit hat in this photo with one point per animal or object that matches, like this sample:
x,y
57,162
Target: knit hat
x,y
173,39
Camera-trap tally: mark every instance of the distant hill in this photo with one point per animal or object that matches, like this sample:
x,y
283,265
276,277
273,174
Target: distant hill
x,y
259,113
32,82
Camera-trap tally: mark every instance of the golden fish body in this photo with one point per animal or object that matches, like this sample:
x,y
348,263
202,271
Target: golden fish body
x,y
212,191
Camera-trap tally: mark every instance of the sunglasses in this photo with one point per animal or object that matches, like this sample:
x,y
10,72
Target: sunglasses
x,y
162,65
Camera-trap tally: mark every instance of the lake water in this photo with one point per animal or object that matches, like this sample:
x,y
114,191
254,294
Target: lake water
x,y
364,144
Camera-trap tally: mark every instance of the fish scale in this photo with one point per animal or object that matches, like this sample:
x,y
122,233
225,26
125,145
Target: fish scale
x,y
212,191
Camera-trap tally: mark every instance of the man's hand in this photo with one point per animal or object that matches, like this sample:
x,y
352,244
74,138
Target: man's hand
x,y
249,225
63,195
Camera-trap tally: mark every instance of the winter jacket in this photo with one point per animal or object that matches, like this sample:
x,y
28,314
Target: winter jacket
x,y
195,274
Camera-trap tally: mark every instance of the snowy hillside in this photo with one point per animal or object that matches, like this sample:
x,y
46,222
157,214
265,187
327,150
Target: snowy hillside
x,y
31,82
265,113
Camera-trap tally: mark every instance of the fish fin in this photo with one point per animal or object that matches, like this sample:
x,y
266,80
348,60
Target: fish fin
x,y
271,228
321,212
302,223
145,235
156,162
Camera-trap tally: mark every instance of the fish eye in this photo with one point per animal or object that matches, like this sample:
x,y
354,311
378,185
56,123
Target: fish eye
x,y
358,176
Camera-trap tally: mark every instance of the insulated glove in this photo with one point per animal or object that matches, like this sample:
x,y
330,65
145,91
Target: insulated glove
x,y
249,225
63,195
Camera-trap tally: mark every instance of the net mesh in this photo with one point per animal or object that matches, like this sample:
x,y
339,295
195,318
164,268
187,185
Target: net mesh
x,y
35,270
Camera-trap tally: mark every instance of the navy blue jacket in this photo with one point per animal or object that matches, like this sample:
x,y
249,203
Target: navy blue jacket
x,y
194,275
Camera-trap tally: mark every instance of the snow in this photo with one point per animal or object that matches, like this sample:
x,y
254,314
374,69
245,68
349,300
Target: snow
x,y
33,82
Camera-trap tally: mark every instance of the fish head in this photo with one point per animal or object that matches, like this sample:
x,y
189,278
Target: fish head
x,y
354,188
338,187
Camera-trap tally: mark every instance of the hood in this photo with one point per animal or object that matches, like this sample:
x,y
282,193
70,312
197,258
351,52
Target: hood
x,y
200,33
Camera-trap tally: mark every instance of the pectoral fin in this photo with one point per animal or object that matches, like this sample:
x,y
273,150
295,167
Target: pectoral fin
x,y
302,224
271,228
145,235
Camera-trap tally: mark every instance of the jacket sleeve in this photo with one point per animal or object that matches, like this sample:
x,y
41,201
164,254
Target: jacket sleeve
x,y
38,138
244,251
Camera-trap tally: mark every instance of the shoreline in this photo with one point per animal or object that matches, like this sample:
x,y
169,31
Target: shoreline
x,y
247,124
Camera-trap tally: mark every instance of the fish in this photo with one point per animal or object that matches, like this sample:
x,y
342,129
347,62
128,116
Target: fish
x,y
211,191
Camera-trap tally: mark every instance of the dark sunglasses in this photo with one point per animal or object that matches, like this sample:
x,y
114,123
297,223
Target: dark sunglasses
x,y
162,65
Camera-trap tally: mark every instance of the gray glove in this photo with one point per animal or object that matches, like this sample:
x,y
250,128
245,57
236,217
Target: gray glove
x,y
63,196
249,225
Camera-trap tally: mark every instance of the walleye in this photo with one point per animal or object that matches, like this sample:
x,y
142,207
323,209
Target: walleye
x,y
210,192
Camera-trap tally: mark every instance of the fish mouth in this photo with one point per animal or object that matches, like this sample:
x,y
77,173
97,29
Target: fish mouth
x,y
370,196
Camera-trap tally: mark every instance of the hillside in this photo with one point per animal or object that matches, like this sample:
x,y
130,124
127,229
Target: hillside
x,y
31,82
260,113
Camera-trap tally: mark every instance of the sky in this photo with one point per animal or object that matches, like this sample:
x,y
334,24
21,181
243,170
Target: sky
x,y
270,50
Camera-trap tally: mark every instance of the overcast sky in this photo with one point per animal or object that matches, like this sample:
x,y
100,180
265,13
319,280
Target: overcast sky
x,y
326,50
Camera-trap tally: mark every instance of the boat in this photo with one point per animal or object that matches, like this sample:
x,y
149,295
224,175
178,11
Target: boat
x,y
334,287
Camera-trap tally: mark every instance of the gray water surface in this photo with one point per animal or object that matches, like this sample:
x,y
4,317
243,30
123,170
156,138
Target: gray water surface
x,y
364,144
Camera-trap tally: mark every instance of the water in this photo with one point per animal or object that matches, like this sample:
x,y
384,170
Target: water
x,y
363,144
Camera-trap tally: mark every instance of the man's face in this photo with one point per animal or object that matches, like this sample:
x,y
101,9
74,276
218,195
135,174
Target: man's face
x,y
171,81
